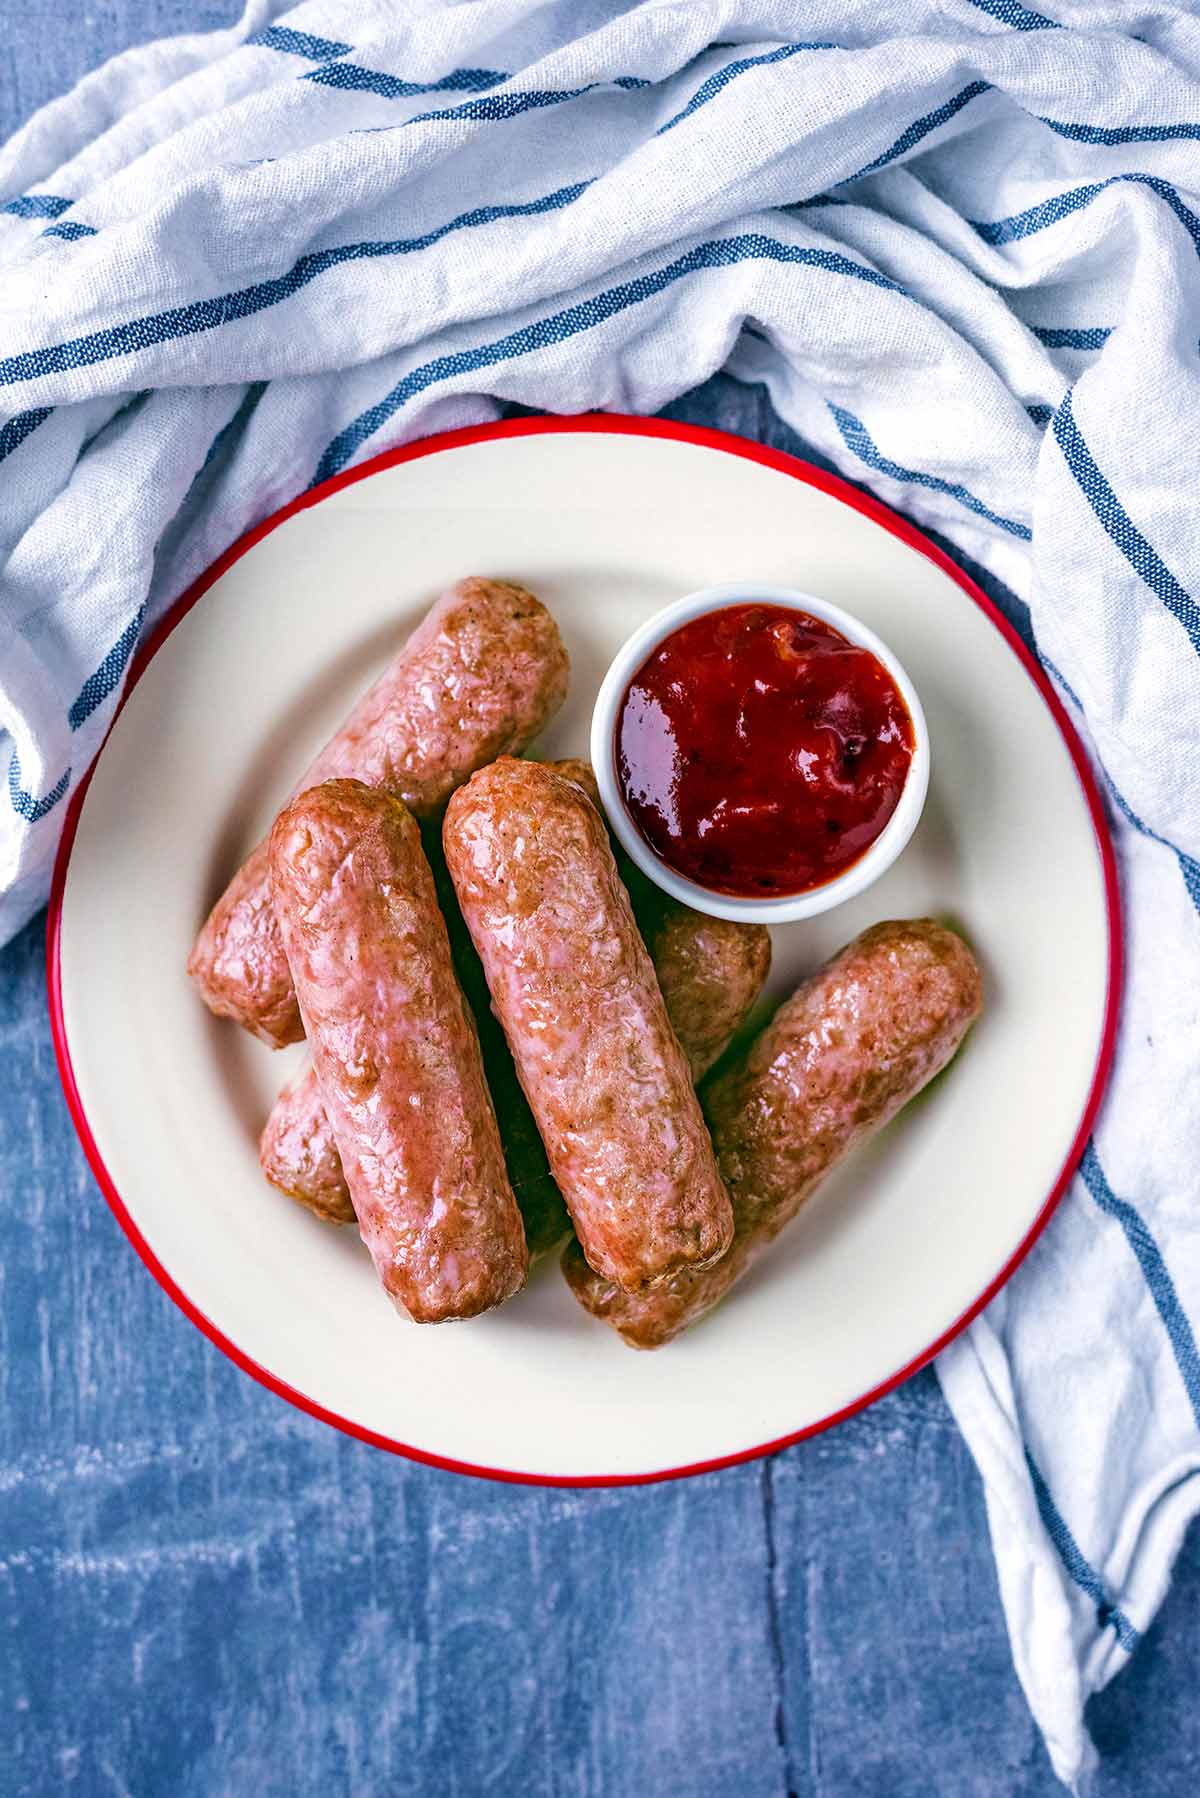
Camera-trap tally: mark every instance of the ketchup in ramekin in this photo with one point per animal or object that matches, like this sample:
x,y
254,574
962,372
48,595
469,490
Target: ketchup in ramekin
x,y
760,752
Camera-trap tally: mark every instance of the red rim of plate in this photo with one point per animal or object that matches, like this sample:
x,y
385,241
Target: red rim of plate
x,y
730,445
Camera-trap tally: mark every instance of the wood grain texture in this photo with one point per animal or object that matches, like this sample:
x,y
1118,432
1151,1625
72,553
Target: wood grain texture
x,y
208,1595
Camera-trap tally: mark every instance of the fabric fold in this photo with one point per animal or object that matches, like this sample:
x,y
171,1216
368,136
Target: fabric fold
x,y
959,246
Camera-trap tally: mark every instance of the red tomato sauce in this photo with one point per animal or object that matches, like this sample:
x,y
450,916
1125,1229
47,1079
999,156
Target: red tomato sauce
x,y
760,753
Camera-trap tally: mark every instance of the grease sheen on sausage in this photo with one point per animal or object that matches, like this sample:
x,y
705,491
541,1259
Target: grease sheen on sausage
x,y
297,1151
575,990
298,1154
479,677
851,1047
545,1216
395,1050
710,971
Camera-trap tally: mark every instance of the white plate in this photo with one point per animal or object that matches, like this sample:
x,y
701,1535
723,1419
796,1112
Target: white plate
x,y
607,520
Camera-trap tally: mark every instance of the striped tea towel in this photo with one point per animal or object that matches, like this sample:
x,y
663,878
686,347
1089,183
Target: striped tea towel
x,y
959,243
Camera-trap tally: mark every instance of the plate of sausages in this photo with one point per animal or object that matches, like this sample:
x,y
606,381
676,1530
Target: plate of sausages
x,y
372,1024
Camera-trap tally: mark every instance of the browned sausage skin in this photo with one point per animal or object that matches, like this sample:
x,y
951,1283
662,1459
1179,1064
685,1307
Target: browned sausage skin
x,y
574,988
710,971
707,986
837,1062
298,1154
395,1051
480,677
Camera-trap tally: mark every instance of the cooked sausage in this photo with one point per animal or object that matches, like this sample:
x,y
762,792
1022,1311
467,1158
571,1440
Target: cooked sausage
x,y
298,1154
547,1223
574,988
710,971
395,1050
836,1063
297,1151
479,677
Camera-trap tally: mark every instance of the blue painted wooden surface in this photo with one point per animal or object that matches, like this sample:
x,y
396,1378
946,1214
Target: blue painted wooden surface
x,y
205,1594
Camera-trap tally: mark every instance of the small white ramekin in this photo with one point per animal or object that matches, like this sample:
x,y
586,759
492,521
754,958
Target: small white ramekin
x,y
857,878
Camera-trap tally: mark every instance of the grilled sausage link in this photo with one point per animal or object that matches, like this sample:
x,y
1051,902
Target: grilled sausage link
x,y
297,1151
851,1047
574,988
298,1154
478,678
710,971
395,1051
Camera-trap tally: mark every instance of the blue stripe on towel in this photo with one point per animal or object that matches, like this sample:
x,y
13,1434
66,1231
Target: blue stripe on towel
x,y
299,43
719,253
70,229
1076,1564
857,438
352,76
1188,866
1120,527
17,429
1061,206
37,206
508,106
1124,134
24,803
205,315
710,88
1072,337
97,687
1011,12
94,691
1154,1268
1036,218
1084,134
929,121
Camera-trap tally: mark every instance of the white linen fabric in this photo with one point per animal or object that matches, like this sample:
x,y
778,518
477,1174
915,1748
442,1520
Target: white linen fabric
x,y
959,243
